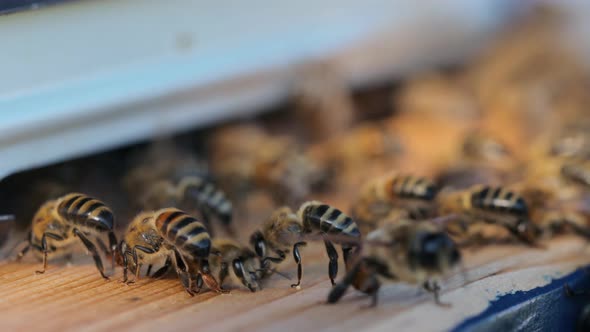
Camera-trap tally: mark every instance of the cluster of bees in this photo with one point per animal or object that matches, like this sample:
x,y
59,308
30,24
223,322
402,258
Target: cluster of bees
x,y
407,224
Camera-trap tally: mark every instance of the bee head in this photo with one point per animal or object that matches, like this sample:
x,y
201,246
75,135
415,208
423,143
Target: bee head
x,y
434,251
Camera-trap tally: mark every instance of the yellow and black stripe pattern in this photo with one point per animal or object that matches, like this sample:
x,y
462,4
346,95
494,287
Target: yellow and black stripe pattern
x,y
412,187
85,211
327,219
186,233
208,195
498,199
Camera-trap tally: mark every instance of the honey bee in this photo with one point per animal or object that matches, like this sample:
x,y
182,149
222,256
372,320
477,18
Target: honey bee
x,y
492,205
285,230
230,259
407,251
378,198
171,234
58,223
193,191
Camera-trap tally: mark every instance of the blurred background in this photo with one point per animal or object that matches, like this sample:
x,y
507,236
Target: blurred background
x,y
87,86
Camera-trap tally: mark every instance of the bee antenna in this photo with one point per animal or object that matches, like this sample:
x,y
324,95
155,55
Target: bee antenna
x,y
274,271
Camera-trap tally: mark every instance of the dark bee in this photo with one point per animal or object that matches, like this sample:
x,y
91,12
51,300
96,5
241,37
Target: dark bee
x,y
493,205
285,230
407,251
58,223
230,259
194,192
379,197
171,234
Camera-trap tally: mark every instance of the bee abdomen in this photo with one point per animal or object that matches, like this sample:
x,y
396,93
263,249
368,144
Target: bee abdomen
x,y
500,200
208,194
86,211
186,233
329,220
414,187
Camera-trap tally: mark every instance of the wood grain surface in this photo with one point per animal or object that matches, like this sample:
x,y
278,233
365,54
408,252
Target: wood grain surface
x,y
73,297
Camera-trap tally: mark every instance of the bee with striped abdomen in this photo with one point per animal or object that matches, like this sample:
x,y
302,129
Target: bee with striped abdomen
x,y
58,223
380,197
285,230
172,235
492,205
407,251
192,192
230,259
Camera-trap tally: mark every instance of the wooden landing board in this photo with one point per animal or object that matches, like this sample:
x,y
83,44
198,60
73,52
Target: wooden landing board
x,y
74,297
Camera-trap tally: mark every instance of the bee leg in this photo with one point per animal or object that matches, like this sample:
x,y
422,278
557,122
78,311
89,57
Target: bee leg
x,y
434,288
124,252
297,257
163,270
24,250
149,270
92,249
240,272
340,288
186,281
223,272
346,254
134,251
182,270
45,249
113,245
209,279
371,287
107,251
333,265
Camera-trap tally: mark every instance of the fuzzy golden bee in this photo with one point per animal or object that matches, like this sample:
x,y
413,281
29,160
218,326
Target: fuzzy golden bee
x,y
380,197
192,192
230,259
285,230
174,235
59,224
492,205
407,251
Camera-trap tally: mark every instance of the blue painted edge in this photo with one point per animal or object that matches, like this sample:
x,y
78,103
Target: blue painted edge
x,y
545,308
